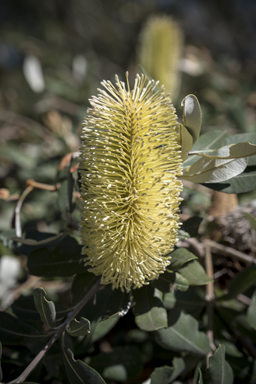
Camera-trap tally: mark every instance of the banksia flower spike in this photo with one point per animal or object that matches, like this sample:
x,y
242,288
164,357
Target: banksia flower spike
x,y
159,51
130,160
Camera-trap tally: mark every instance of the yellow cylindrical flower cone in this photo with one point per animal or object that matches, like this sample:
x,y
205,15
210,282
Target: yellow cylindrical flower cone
x,y
159,51
130,161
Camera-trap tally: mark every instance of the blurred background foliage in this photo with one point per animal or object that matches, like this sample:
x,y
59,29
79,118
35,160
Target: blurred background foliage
x,y
53,55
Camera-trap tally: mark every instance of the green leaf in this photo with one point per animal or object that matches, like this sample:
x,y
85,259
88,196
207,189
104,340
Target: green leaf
x,y
241,138
192,225
245,182
121,364
182,235
242,281
189,302
186,142
179,257
230,347
182,335
14,331
166,375
181,282
168,282
79,372
79,328
251,312
101,328
148,309
251,219
210,140
64,259
24,308
219,371
45,308
192,116
194,273
235,151
207,170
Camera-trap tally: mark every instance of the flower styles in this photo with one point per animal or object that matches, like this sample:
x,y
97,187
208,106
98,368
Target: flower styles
x,y
130,160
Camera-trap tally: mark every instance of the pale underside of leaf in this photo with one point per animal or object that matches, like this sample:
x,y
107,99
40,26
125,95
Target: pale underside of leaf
x,y
235,151
214,170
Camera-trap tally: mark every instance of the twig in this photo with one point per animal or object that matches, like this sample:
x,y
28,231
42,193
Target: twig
x,y
18,208
229,251
59,331
209,298
45,187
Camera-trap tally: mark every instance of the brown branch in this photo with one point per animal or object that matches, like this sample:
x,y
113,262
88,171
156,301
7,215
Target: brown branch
x,y
209,298
59,331
45,187
229,251
18,208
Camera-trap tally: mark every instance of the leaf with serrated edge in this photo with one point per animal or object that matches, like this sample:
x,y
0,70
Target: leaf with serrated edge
x,y
182,335
219,371
148,309
78,372
194,273
79,328
192,116
45,308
